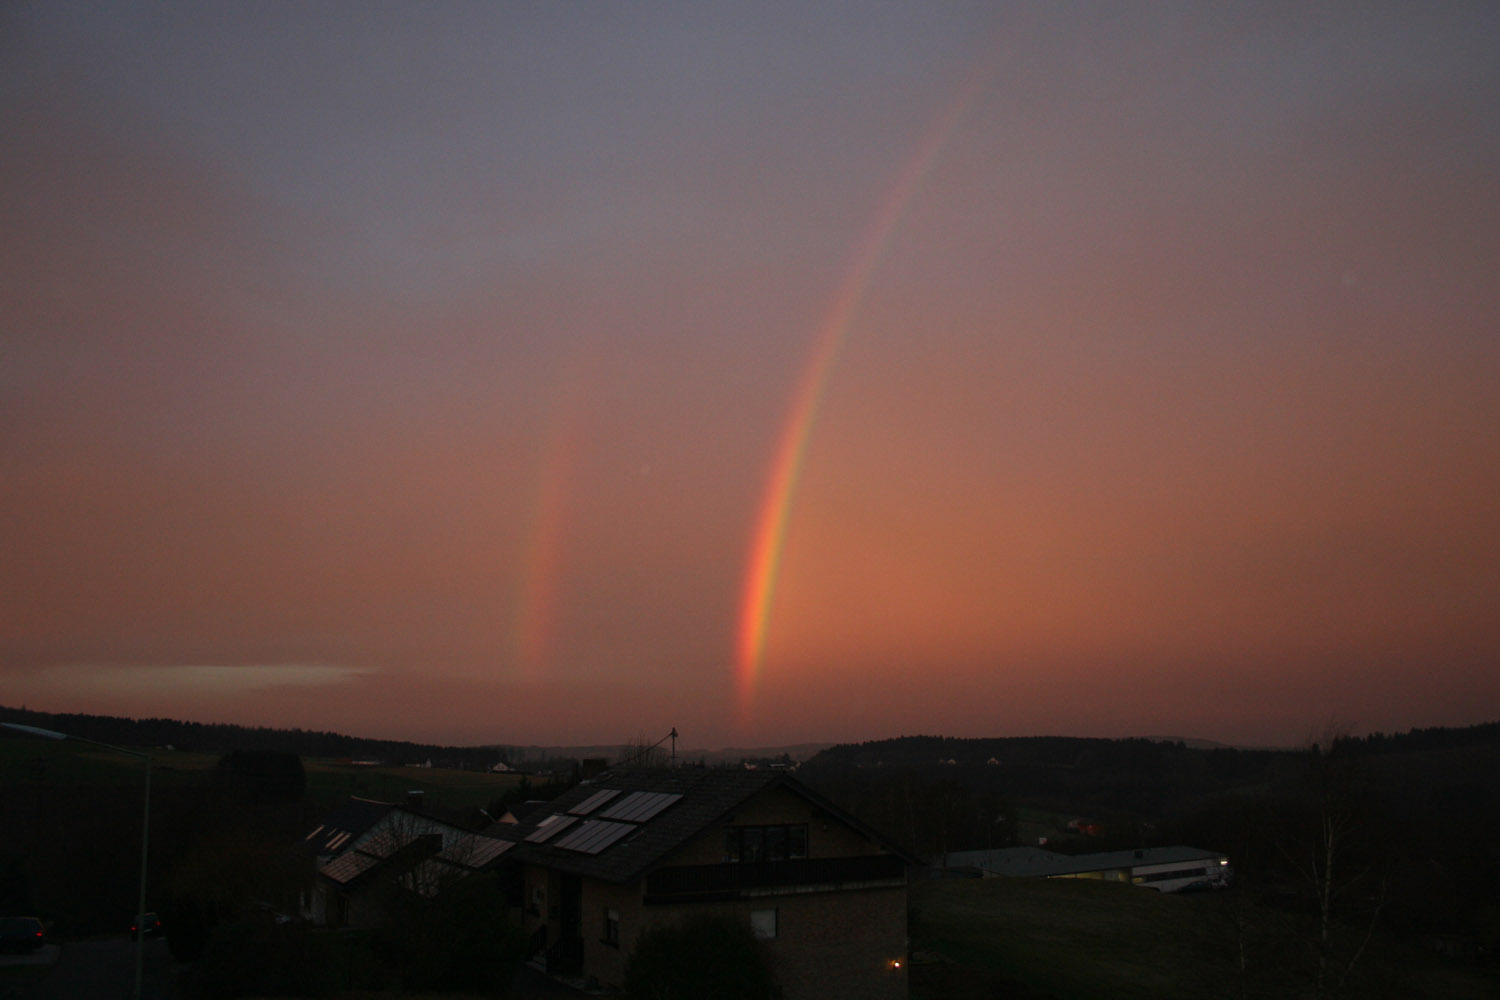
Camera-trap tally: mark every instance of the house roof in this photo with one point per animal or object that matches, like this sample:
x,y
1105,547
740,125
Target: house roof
x,y
1034,862
622,824
345,825
368,855
449,851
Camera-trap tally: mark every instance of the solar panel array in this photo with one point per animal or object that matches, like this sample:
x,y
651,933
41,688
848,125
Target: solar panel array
x,y
549,828
616,815
638,807
347,867
594,835
594,801
475,851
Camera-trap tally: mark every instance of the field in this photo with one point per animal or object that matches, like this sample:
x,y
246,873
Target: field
x,y
68,763
1066,939
330,782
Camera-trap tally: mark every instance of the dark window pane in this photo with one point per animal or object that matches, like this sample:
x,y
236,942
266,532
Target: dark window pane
x,y
797,842
776,843
754,844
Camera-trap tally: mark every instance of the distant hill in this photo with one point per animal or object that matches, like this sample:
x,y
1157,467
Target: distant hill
x,y
940,793
797,752
1199,744
220,738
1095,752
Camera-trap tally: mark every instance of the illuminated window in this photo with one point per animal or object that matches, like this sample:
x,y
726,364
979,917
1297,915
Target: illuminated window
x,y
748,844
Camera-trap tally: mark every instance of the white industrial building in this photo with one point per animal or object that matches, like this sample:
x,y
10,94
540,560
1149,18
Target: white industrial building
x,y
1165,869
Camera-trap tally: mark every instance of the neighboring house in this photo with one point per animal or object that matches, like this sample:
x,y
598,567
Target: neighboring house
x,y
398,850
634,849
339,829
1166,869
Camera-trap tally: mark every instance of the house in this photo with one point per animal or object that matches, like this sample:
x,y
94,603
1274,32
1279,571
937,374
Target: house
x,y
1165,869
351,819
366,850
633,849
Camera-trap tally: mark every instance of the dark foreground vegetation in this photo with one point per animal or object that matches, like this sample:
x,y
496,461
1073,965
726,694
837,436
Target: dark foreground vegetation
x,y
1366,867
1074,939
1355,859
713,957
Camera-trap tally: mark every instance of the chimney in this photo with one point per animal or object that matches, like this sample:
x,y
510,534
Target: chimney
x,y
414,799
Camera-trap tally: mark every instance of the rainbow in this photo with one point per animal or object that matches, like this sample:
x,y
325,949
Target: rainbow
x,y
536,612
768,540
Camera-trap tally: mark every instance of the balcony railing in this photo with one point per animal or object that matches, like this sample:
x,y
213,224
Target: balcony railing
x,y
730,881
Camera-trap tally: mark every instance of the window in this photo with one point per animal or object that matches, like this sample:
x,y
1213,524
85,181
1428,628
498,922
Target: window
x,y
763,923
1175,873
611,927
749,844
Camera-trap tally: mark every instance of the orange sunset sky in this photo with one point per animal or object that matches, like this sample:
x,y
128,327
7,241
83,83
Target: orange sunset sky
x,y
559,373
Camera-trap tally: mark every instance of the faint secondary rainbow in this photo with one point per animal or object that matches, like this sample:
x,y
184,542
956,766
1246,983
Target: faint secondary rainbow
x,y
536,612
769,539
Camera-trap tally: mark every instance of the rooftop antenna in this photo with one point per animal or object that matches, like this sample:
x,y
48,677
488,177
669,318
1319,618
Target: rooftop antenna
x,y
673,734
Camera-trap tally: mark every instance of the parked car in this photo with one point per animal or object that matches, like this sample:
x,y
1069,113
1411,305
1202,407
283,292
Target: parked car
x,y
149,924
21,934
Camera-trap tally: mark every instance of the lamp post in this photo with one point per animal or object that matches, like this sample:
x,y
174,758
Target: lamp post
x,y
140,909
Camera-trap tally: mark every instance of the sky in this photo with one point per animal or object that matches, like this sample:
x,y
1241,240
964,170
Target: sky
x,y
564,373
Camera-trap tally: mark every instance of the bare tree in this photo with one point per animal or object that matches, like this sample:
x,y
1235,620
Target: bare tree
x,y
640,752
1332,857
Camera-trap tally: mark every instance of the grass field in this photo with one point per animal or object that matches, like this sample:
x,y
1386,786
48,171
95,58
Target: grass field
x,y
1065,939
330,782
65,763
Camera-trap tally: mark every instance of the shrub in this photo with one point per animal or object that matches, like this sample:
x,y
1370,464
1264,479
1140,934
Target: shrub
x,y
460,939
256,957
713,956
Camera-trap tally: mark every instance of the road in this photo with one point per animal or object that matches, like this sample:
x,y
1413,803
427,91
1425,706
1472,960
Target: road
x,y
100,969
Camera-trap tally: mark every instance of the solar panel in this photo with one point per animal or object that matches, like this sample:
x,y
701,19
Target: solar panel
x,y
594,801
594,835
475,851
638,807
348,867
549,828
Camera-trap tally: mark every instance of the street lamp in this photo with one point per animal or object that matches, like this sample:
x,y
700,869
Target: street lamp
x,y
140,909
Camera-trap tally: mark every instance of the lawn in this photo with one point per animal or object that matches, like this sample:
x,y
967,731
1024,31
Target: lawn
x,y
1069,939
1061,938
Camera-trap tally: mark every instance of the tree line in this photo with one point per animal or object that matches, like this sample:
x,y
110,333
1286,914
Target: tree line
x,y
217,738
